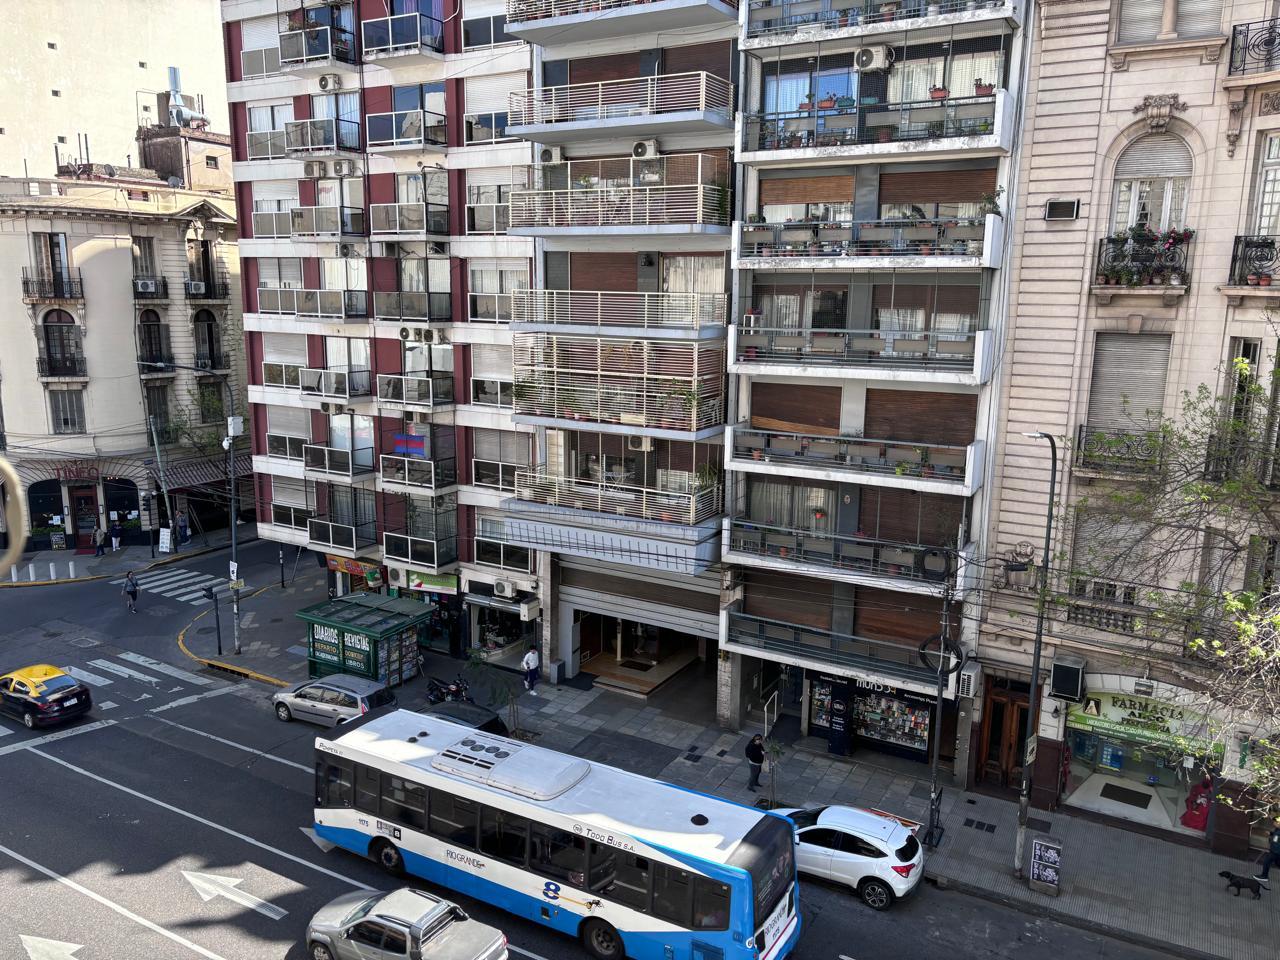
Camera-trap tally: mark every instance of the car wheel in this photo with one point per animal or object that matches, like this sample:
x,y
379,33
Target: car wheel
x,y
388,857
284,716
320,952
601,940
29,720
876,894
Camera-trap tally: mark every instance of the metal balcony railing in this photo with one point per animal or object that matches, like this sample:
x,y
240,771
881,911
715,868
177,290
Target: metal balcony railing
x,y
262,62
335,304
38,286
415,305
269,224
688,507
596,308
1143,258
285,447
62,366
885,558
1255,47
266,144
326,221
846,123
854,455
789,16
621,206
199,289
523,11
316,43
409,219
337,461
422,390
338,383
212,358
416,472
150,288
420,551
322,532
321,136
1118,451
615,99
295,518
406,128
948,237
402,33
880,348
1252,258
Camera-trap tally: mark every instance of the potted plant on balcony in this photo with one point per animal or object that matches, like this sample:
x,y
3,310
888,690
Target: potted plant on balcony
x,y
806,105
989,203
939,93
828,102
1264,279
846,103
983,89
888,10
1251,279
706,476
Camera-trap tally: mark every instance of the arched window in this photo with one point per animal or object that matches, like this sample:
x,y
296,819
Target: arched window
x,y
153,339
208,342
63,351
1152,177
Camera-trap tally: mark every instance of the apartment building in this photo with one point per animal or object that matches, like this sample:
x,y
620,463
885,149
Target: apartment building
x,y
373,170
877,145
1146,222
122,341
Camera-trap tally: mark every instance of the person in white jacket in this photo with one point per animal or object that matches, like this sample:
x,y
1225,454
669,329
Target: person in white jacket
x,y
530,666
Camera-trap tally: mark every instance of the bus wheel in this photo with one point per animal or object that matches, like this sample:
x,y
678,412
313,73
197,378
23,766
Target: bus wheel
x,y
601,940
388,857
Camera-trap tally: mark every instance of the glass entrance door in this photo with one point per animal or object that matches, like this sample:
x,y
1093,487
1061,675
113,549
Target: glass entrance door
x,y
84,507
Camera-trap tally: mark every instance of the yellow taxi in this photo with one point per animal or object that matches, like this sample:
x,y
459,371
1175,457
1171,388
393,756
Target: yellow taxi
x,y
42,694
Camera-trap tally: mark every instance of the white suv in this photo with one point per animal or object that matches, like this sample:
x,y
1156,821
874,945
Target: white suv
x,y
876,855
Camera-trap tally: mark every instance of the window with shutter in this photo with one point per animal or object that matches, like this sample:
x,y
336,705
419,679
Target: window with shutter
x,y
1199,18
1126,392
1140,20
1152,176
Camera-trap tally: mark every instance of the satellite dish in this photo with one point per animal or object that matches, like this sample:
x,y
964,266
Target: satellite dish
x,y
175,182
109,170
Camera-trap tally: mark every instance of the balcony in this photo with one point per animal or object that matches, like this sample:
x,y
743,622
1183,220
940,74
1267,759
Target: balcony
x,y
953,127
317,50
415,391
960,357
408,221
346,539
825,651
37,287
336,464
412,306
406,131
775,23
155,356
198,289
1118,452
339,383
488,127
1254,264
926,467
314,304
266,145
212,359
407,38
872,244
150,288
676,103
423,552
1142,263
272,224
321,138
1255,52
416,475
283,446
51,367
687,508
571,21
489,307
326,223
620,314
294,518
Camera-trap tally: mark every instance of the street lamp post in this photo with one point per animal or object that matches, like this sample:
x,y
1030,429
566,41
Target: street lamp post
x,y
1024,794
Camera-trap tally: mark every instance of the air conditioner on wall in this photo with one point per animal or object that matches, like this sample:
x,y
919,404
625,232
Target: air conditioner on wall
x,y
313,169
878,57
639,444
644,149
504,588
145,286
550,155
969,683
1066,678
330,81
395,576
345,168
196,287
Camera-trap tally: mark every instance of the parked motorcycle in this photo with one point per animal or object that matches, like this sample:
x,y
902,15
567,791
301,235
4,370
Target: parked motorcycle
x,y
456,691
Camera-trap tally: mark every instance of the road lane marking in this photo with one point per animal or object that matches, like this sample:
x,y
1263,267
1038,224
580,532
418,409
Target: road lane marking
x,y
5,732
60,735
191,586
110,904
209,886
84,676
38,948
183,701
175,672
121,671
239,746
107,705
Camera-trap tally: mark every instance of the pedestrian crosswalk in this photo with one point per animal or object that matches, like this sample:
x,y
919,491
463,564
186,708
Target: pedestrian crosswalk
x,y
185,586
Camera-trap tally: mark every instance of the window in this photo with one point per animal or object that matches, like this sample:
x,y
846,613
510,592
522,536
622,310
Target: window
x,y
710,904
492,553
144,257
209,396
492,283
404,802
51,45
142,64
1152,176
492,393
367,789
488,207
504,836
1267,219
339,698
620,876
395,941
1126,392
859,847
66,408
453,819
211,161
821,837
157,397
672,894
334,783
484,32
368,933
57,93
1141,21
62,139
280,272
558,854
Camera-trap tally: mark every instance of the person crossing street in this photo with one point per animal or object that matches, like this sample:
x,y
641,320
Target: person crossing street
x,y
130,590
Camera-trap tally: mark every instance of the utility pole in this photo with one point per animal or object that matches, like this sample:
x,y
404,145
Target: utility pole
x,y
933,836
164,485
235,427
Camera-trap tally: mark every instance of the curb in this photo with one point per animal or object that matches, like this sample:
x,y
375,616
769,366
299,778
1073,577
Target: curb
x,y
243,672
103,576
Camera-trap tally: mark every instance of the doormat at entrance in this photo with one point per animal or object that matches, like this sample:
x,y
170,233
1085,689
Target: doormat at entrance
x,y
636,665
1133,798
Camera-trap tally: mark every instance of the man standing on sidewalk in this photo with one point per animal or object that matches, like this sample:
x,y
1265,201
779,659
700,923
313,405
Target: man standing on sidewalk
x,y
99,541
530,666
755,759
1272,856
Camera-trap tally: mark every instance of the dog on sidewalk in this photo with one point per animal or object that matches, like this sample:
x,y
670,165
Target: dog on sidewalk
x,y
1234,880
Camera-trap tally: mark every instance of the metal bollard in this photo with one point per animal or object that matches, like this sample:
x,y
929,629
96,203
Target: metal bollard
x,y
13,573
31,571
71,569
53,571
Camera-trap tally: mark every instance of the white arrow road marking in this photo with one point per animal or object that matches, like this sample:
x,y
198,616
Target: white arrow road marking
x,y
210,886
107,705
38,948
324,845
110,905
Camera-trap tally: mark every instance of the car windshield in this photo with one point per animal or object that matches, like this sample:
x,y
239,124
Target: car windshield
x,y
907,852
767,852
54,684
806,818
359,911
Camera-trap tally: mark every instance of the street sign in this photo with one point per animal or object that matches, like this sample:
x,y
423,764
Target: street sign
x,y
1046,865
1031,750
235,569
236,585
165,535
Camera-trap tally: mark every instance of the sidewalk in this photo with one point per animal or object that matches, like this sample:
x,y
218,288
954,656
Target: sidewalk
x,y
131,557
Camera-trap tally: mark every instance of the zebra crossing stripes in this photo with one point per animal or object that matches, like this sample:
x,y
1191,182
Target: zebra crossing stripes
x,y
185,586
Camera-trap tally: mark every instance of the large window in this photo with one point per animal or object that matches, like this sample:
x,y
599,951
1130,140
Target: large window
x,y
504,836
482,32
1268,210
453,819
1142,21
1152,177
66,410
558,854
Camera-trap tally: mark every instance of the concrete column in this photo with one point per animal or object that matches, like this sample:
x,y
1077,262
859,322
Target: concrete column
x,y
729,691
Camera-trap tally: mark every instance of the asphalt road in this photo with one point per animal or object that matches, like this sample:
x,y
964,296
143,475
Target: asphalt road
x,y
117,827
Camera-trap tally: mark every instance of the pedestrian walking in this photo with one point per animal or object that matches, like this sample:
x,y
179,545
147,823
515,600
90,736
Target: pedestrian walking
x,y
184,532
130,590
99,541
530,665
1272,856
755,760
117,532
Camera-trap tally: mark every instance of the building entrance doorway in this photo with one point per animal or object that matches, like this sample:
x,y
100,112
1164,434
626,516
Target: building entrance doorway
x,y
84,509
1003,733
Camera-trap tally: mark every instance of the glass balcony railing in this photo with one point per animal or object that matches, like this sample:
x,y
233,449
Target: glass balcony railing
x,y
842,122
351,537
420,551
687,507
888,348
266,144
850,455
328,304
337,462
327,221
601,308
409,219
614,99
418,473
337,383
406,128
295,518
769,18
321,136
861,554
421,390
419,306
952,237
404,33
319,43
272,224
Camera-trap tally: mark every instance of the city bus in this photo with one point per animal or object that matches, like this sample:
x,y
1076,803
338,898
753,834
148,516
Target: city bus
x,y
633,867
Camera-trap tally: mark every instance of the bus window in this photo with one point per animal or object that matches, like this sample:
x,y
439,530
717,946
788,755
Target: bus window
x,y
367,789
558,854
453,819
672,893
620,876
710,905
333,783
404,802
503,836
767,852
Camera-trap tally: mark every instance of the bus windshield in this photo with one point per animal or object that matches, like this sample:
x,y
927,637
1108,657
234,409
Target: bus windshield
x,y
768,854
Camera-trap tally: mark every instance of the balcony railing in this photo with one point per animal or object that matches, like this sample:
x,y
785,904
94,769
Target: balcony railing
x,y
597,308
789,16
425,390
321,136
658,404
44,287
272,224
488,217
282,446
1142,258
402,34
62,366
616,99
316,44
341,536
487,127
1118,451
262,62
420,551
409,219
489,307
266,144
406,128
882,658
861,554
336,461
947,237
327,221
524,11
286,375
848,124
212,358
1253,258
326,304
418,473
414,305
495,475
621,206
155,349
197,289
1255,47
880,348
150,288
339,383
619,499
295,518
855,455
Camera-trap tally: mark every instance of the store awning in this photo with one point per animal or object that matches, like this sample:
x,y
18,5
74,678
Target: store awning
x,y
511,606
201,471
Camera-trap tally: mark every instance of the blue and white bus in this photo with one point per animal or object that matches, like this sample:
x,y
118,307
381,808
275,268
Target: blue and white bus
x,y
633,867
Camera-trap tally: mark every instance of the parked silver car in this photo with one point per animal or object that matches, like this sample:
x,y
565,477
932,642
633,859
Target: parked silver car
x,y
360,926
331,700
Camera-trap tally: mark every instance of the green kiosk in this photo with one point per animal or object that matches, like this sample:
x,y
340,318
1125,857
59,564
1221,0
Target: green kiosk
x,y
365,634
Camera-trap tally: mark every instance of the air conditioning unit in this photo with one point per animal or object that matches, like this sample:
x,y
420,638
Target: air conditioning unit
x,y
549,155
330,81
504,588
313,169
1066,678
196,287
1062,209
145,286
395,576
425,336
386,248
345,168
879,57
639,444
405,333
644,149
329,407
969,683
421,416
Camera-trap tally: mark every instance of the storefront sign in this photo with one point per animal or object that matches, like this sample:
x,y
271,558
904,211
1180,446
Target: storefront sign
x,y
353,567
166,536
1139,720
325,643
58,541
350,650
78,470
433,582
874,686
1046,865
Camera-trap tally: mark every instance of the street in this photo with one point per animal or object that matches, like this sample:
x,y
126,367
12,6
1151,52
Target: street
x,y
171,821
